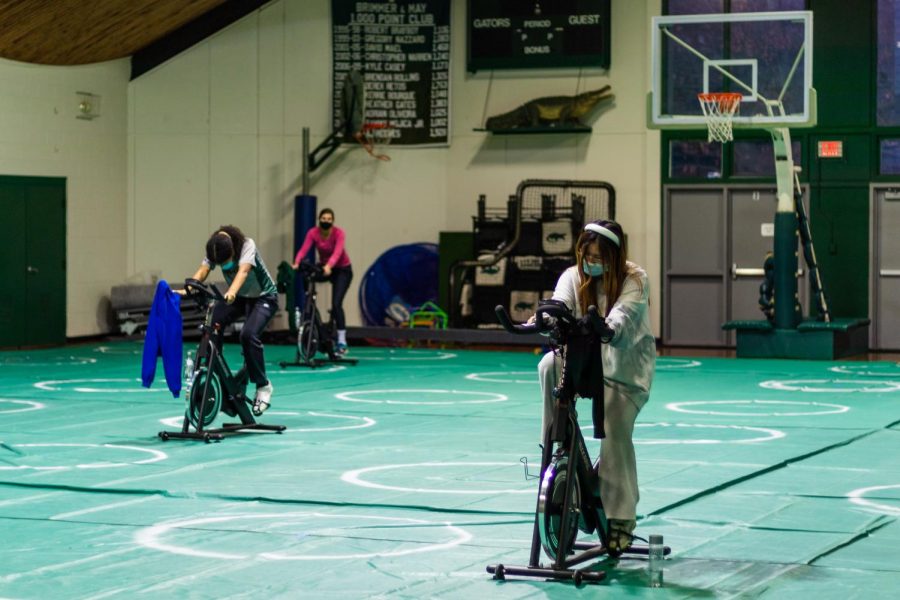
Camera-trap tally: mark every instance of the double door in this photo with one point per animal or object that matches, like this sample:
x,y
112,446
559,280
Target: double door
x,y
715,244
33,268
885,269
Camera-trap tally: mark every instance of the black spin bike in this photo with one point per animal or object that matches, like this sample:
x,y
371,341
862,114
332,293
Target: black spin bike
x,y
211,386
313,336
569,493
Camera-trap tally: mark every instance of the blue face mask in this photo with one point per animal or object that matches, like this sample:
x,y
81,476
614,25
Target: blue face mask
x,y
228,266
594,270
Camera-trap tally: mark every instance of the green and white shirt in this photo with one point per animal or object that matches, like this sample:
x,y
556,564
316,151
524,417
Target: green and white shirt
x,y
259,281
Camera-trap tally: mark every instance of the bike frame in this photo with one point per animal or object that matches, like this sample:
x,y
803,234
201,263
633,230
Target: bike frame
x,y
233,385
565,440
566,433
311,317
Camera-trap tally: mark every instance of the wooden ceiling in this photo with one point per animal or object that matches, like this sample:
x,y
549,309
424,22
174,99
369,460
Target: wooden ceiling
x,y
76,32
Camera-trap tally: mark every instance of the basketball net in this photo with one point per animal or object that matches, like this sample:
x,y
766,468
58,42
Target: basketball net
x,y
719,109
374,137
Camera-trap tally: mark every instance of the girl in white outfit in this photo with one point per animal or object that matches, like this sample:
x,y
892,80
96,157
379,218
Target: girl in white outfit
x,y
620,290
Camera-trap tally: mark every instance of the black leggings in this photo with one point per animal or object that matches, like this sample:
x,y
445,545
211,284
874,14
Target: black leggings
x,y
340,279
259,312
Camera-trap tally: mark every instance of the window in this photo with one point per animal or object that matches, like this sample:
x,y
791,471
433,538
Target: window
x,y
739,6
708,38
756,158
704,7
695,7
890,157
695,158
887,110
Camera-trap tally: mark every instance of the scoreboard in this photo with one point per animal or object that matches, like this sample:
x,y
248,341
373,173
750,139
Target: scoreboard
x,y
530,34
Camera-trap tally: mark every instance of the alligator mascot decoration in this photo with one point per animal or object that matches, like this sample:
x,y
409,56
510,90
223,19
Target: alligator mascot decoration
x,y
552,111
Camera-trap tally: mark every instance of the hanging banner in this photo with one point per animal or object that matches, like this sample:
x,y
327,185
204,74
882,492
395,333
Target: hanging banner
x,y
402,50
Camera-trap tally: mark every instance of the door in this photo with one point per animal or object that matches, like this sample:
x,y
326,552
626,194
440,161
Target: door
x,y
886,270
33,272
714,248
694,261
752,237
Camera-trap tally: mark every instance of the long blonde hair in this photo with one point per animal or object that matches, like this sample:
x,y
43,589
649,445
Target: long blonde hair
x,y
615,266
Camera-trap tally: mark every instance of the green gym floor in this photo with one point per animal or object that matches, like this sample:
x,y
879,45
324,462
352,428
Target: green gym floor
x,y
401,478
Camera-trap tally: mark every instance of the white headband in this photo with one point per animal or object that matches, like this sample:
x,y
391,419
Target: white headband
x,y
608,234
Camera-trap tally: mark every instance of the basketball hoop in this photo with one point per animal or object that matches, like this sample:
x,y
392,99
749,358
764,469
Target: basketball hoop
x,y
374,137
719,109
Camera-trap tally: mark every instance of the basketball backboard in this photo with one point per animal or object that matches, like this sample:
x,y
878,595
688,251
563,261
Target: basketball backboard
x,y
765,56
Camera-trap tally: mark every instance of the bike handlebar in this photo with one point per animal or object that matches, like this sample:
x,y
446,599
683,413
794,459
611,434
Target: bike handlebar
x,y
196,289
508,325
312,270
562,314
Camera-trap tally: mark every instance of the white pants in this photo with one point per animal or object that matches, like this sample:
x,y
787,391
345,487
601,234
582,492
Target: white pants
x,y
618,467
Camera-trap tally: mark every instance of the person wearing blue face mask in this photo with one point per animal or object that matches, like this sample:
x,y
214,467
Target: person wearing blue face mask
x,y
603,277
251,292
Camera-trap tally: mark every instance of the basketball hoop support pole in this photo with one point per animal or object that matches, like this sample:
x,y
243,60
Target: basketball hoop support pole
x,y
786,233
304,187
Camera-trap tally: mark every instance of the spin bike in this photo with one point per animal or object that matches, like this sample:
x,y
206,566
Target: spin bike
x,y
211,386
569,493
313,336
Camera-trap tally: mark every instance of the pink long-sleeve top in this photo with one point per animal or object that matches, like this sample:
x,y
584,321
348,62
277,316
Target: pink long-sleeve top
x,y
331,249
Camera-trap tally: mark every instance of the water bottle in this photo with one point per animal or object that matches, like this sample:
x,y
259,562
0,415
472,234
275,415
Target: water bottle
x,y
188,374
655,561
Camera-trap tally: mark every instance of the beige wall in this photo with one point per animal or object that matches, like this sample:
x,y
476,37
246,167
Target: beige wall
x,y
41,136
214,138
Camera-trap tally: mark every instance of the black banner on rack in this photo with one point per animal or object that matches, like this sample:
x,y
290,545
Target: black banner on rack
x,y
402,49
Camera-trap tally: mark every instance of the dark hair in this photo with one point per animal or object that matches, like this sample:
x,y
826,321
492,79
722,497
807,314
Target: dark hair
x,y
326,211
614,261
224,244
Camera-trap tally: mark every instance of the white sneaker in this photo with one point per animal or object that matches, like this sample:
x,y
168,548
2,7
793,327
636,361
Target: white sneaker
x,y
263,399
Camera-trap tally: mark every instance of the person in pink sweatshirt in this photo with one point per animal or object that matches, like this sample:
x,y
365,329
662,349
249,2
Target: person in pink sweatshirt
x,y
329,241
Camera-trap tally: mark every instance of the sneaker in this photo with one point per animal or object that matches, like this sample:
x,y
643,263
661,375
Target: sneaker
x,y
263,398
620,536
342,349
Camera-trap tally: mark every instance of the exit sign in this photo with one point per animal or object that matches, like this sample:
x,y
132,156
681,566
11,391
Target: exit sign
x,y
831,149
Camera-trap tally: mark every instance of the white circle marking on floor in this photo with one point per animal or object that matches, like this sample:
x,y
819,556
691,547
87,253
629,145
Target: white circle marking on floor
x,y
664,362
491,376
820,408
30,405
156,456
56,386
366,421
858,497
355,477
150,537
489,397
843,386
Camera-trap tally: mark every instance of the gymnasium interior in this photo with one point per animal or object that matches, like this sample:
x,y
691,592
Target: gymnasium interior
x,y
463,146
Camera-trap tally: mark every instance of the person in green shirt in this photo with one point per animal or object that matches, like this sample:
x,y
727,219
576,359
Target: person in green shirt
x,y
251,292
